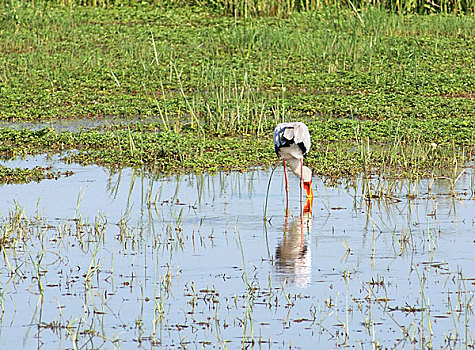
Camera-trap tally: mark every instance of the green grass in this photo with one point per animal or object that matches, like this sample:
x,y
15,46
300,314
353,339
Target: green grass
x,y
66,62
341,147
279,8
381,92
22,175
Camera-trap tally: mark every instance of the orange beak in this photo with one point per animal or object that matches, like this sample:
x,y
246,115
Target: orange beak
x,y
308,189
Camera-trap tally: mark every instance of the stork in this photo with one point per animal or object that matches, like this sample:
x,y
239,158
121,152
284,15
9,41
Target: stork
x,y
292,143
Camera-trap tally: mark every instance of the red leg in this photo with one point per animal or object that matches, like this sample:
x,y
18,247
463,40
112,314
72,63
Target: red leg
x,y
301,186
286,184
286,223
301,201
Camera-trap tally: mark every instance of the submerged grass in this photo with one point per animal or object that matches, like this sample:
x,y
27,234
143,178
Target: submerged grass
x,y
94,275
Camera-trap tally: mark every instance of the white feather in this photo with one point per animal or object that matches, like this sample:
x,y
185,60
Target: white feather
x,y
292,142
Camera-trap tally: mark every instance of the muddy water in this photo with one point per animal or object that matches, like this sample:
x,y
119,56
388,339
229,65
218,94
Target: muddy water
x,y
121,259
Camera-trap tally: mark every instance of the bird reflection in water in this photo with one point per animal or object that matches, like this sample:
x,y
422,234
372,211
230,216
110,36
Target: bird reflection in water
x,y
293,255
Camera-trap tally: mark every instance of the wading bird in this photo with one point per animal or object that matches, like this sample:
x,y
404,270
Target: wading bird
x,y
292,143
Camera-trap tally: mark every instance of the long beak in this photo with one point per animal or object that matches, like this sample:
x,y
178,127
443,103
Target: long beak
x,y
308,189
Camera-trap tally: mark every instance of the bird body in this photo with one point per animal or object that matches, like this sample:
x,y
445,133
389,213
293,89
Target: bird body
x,y
292,138
292,143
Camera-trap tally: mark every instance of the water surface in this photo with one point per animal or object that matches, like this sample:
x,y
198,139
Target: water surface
x,y
123,259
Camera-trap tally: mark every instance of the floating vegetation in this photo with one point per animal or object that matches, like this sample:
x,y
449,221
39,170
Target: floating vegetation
x,y
196,91
22,175
405,148
193,65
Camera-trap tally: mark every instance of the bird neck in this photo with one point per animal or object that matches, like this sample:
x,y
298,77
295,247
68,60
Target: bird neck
x,y
294,165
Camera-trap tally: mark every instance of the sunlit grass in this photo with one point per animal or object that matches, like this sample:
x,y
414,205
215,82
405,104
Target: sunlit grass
x,y
188,65
401,148
382,93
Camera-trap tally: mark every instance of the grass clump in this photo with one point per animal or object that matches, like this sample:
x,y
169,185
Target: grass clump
x,y
279,8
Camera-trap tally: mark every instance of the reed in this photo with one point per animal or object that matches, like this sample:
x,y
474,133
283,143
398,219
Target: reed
x,y
254,8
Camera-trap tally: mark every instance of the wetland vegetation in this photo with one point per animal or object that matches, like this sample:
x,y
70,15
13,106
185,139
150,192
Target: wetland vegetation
x,y
380,91
165,227
125,260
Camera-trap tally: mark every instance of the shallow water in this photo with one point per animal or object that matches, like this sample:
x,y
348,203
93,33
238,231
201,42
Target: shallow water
x,y
128,260
75,124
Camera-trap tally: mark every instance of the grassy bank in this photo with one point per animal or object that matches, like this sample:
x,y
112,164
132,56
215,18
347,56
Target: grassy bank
x,y
381,92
